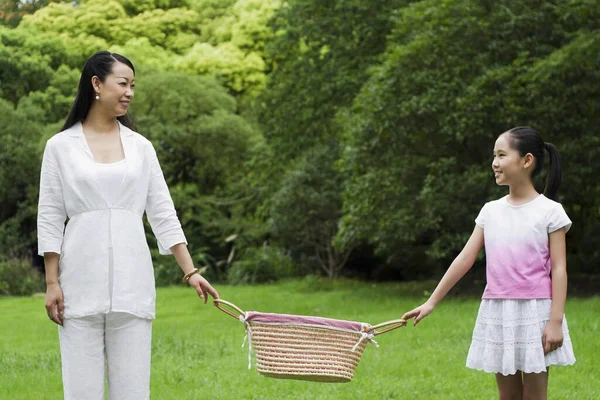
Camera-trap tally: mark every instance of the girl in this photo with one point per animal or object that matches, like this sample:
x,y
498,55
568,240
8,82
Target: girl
x,y
103,176
520,329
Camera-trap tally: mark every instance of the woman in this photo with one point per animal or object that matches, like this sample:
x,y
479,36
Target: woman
x,y
103,176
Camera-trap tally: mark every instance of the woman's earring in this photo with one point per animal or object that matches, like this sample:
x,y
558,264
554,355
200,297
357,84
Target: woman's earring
x,y
97,96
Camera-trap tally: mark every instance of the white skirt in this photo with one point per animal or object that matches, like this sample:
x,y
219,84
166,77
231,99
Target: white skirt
x,y
508,338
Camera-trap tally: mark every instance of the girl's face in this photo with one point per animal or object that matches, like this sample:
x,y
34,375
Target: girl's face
x,y
116,92
508,165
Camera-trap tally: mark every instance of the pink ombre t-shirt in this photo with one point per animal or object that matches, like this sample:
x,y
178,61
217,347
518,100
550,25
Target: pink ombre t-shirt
x,y
517,247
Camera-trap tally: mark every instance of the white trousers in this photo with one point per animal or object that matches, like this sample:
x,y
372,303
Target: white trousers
x,y
119,343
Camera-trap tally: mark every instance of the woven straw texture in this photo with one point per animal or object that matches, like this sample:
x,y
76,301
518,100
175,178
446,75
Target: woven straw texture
x,y
306,353
304,347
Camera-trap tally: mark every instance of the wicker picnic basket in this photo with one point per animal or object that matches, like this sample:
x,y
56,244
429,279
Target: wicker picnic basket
x,y
305,348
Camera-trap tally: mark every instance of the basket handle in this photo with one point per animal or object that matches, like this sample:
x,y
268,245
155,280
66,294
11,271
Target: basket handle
x,y
226,307
387,326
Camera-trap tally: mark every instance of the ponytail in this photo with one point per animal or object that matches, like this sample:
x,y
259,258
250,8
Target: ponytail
x,y
554,178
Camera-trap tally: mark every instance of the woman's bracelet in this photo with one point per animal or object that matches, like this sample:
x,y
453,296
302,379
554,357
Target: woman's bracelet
x,y
187,276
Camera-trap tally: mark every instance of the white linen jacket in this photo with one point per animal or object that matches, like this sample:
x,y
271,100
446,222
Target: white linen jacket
x,y
105,263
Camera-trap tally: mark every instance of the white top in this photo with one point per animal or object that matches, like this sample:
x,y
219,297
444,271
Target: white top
x,y
96,230
109,177
517,246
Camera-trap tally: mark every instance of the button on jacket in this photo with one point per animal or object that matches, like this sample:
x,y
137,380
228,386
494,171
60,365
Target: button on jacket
x,y
105,263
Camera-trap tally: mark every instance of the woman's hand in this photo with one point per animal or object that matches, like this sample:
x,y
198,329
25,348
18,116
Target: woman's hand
x,y
55,306
552,338
203,288
419,313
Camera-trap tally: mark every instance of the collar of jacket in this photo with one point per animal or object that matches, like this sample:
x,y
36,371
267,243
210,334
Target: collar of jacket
x,y
76,131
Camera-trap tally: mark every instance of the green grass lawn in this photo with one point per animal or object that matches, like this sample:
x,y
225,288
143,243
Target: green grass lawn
x,y
197,355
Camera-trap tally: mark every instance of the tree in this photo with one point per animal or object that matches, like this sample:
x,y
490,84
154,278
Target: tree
x,y
28,61
418,137
320,54
20,160
166,35
307,208
12,11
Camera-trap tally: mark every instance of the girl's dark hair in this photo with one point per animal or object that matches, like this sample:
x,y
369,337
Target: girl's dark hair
x,y
100,65
527,140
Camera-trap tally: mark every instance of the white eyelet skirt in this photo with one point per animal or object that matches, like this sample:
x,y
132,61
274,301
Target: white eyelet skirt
x,y
508,338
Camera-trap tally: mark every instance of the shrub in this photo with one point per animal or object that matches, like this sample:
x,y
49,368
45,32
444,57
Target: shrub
x,y
262,264
19,278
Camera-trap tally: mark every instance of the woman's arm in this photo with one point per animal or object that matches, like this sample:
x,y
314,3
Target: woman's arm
x,y
51,219
55,306
553,337
167,228
459,267
197,281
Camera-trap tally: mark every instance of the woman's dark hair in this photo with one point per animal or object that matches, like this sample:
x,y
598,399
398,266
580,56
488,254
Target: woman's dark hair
x,y
527,140
100,65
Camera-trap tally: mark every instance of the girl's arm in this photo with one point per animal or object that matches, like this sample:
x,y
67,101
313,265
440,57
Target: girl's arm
x,y
459,267
553,337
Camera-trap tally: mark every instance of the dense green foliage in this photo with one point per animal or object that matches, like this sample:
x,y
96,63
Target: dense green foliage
x,y
336,137
455,74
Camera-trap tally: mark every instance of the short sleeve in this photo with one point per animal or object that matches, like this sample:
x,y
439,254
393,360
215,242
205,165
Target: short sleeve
x,y
557,219
480,220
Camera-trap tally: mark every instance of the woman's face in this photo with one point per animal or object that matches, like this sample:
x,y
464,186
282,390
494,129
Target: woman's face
x,y
116,92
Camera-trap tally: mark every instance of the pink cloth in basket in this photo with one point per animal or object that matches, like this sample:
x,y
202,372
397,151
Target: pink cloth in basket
x,y
253,316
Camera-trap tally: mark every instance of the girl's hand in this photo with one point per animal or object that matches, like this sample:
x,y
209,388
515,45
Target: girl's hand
x,y
419,313
203,288
55,306
552,338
